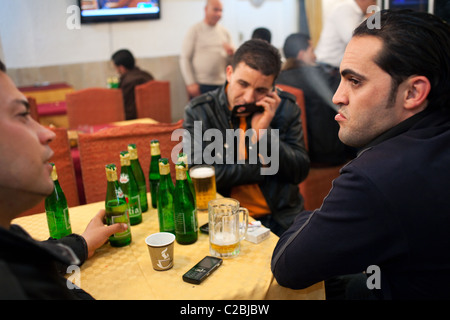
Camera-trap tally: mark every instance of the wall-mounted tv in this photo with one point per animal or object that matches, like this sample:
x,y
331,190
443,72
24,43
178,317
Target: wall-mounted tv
x,y
417,5
118,10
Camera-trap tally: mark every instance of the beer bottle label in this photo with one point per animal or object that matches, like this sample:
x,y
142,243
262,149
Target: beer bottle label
x,y
134,206
124,178
66,218
186,223
119,193
121,219
59,225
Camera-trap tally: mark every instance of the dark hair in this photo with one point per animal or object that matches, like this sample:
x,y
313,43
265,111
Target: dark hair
x,y
414,43
263,34
294,43
124,58
2,66
259,55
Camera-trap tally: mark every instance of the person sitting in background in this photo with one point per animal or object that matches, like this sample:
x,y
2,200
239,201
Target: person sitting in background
x,y
386,221
263,34
301,71
274,199
130,77
30,269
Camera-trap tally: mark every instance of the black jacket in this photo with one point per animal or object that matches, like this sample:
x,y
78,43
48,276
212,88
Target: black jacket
x,y
280,190
31,269
389,208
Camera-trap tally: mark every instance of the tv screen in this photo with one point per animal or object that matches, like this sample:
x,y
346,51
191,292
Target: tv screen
x,y
118,10
417,5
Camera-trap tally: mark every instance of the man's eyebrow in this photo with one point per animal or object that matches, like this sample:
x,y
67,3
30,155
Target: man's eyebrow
x,y
347,72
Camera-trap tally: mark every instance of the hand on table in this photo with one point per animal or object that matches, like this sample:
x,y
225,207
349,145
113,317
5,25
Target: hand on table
x,y
97,233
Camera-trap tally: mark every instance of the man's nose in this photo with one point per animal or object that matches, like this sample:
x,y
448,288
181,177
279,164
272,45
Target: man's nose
x,y
340,97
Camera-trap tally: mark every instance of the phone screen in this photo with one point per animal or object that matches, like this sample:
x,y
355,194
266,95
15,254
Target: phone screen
x,y
202,270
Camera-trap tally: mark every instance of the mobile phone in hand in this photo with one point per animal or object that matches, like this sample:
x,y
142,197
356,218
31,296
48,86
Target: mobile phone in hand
x,y
249,108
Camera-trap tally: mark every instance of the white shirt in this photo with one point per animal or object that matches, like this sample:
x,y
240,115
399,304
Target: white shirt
x,y
203,57
337,32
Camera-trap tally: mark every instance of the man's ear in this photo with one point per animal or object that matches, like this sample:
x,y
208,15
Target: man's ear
x,y
416,93
229,72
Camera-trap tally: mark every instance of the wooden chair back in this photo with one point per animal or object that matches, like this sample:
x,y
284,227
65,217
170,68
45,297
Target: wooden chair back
x,y
94,106
103,147
153,101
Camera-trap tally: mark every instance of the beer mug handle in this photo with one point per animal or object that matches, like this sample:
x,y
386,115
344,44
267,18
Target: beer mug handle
x,y
245,219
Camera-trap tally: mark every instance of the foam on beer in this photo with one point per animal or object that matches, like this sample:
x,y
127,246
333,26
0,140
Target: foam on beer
x,y
201,173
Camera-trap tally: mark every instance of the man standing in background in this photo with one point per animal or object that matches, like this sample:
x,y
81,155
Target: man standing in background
x,y
206,52
337,31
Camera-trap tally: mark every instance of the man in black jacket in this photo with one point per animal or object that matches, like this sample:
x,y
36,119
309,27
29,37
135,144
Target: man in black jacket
x,y
388,213
262,171
30,269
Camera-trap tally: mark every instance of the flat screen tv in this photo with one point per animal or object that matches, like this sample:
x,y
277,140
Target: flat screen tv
x,y
417,5
118,10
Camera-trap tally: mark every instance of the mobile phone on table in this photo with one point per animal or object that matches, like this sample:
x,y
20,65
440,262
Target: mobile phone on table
x,y
205,228
202,270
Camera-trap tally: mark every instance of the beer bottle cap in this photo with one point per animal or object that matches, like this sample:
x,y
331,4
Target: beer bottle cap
x,y
183,157
132,150
124,158
54,175
164,167
111,172
180,168
154,147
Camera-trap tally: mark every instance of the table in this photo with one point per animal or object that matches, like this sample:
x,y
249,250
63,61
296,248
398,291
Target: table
x,y
48,92
127,274
50,100
53,113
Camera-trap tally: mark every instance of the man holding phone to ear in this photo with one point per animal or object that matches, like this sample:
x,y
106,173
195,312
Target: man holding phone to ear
x,y
273,199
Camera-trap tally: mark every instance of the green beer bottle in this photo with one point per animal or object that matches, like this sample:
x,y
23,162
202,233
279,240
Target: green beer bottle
x,y
57,210
183,158
130,188
139,176
165,198
153,175
186,224
116,208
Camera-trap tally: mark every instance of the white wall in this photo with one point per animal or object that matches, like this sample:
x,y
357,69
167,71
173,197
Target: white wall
x,y
34,33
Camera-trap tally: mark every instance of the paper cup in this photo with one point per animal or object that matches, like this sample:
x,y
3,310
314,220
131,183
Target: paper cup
x,y
160,246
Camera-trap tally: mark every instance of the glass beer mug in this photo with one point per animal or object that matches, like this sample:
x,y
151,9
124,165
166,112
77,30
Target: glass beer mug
x,y
204,179
225,233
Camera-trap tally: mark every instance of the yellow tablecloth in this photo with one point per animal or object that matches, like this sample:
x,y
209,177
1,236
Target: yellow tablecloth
x,y
126,273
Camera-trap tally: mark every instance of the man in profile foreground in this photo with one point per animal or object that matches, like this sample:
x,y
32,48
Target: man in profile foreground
x,y
388,213
31,269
